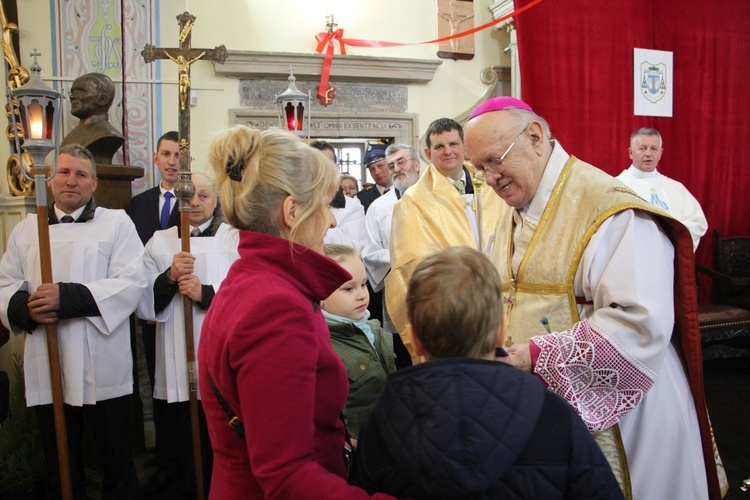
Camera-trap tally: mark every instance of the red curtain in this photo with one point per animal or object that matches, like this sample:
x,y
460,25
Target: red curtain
x,y
576,60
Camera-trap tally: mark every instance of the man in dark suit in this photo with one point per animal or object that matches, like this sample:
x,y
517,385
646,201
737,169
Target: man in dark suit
x,y
146,209
375,163
152,210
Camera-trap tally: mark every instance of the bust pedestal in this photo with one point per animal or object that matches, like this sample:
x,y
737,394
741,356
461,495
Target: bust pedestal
x,y
114,188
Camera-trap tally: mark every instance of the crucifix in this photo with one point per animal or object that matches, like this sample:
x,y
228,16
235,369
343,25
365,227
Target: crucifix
x,y
184,56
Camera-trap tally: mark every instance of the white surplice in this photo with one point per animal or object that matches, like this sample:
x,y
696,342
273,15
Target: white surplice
x,y
377,252
350,225
214,256
669,195
104,254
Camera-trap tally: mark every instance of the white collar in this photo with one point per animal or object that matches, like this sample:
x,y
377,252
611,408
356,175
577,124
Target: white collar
x,y
534,210
203,226
162,190
640,174
60,214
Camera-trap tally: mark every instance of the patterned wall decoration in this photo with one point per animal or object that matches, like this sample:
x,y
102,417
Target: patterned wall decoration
x,y
91,37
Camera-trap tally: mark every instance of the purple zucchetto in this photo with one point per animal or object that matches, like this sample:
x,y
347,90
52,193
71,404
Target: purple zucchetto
x,y
499,104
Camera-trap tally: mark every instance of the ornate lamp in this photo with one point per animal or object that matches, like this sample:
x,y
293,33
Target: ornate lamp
x,y
39,112
294,107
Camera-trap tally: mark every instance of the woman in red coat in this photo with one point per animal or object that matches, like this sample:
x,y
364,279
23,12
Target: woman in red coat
x,y
264,342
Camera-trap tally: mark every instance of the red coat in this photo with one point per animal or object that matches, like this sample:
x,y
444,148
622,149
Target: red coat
x,y
266,345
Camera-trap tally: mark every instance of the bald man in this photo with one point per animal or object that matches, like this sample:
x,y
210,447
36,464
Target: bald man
x,y
592,271
172,274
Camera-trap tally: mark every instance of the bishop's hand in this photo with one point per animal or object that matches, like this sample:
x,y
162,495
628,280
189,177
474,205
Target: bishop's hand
x,y
519,356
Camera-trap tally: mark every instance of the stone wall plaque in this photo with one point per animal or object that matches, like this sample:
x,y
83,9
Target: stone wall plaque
x,y
400,127
372,97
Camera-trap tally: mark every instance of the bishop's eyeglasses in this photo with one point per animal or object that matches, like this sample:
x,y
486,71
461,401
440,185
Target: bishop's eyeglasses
x,y
494,165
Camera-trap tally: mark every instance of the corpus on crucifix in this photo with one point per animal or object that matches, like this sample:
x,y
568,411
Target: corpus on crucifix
x,y
184,72
184,56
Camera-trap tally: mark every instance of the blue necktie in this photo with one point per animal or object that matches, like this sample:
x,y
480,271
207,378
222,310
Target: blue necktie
x,y
165,210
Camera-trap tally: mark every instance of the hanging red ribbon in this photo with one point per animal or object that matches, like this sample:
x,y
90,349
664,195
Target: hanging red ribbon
x,y
327,41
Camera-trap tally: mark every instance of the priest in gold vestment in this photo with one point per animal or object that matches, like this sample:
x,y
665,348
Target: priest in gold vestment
x,y
441,209
597,281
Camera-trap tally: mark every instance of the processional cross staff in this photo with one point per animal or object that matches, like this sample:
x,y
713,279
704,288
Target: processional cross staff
x,y
184,56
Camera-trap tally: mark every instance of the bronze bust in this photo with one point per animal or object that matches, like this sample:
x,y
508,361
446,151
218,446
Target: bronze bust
x,y
91,96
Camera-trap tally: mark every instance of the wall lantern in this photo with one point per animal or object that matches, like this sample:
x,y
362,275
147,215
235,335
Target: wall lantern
x,y
294,108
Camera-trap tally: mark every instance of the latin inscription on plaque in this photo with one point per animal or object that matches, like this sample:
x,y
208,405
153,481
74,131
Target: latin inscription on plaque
x,y
321,125
381,98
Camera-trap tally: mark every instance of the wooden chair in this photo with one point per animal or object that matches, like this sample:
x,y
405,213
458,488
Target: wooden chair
x,y
725,324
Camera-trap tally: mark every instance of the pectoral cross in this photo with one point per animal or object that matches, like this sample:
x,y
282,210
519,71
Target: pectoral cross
x,y
510,300
185,56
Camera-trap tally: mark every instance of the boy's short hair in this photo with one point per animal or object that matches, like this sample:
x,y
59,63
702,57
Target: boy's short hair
x,y
455,303
339,252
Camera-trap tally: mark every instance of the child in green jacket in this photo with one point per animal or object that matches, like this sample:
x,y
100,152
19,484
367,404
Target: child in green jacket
x,y
364,347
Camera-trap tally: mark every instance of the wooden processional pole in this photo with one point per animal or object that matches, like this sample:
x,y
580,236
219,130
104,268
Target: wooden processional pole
x,y
184,56
38,147
53,351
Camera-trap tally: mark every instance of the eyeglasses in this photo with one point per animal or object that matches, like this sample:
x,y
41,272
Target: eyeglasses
x,y
482,171
398,163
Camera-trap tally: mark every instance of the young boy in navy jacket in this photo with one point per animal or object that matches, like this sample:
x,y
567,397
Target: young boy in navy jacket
x,y
464,424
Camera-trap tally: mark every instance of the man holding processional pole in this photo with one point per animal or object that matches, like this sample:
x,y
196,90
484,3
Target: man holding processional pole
x,y
97,280
173,274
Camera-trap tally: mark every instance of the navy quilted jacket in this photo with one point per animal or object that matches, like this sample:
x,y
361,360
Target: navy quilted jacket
x,y
468,428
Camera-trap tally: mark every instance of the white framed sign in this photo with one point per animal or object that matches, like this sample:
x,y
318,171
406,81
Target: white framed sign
x,y
653,83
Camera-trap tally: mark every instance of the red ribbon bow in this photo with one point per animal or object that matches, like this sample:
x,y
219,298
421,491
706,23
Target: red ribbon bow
x,y
326,41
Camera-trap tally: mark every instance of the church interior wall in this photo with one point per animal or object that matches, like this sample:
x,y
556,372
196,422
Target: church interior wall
x,y
288,26
255,25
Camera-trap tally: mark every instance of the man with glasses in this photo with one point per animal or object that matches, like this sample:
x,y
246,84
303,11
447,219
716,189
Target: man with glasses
x,y
592,302
402,162
440,210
